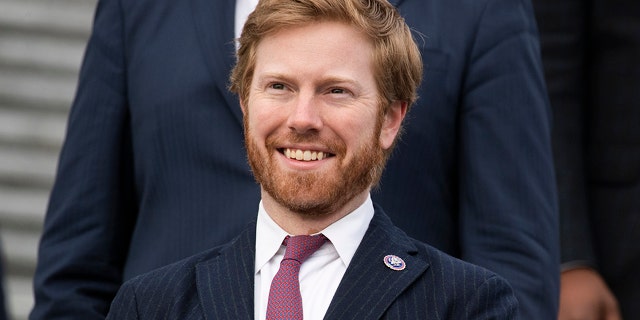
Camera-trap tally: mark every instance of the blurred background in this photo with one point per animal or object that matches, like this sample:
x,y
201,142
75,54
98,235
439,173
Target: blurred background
x,y
41,48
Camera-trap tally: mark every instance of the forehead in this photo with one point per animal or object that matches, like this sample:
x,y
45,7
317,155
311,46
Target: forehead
x,y
317,46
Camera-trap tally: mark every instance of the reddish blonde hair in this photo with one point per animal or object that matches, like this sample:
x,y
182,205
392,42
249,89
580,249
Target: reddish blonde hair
x,y
397,62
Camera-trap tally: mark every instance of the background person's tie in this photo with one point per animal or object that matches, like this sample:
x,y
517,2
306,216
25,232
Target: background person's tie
x,y
285,301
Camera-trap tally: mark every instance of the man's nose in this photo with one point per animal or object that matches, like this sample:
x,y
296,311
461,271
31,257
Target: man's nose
x,y
305,114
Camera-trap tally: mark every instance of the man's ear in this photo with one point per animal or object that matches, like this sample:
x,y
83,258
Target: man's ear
x,y
392,123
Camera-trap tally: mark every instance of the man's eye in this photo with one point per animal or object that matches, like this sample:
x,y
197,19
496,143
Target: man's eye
x,y
277,86
337,90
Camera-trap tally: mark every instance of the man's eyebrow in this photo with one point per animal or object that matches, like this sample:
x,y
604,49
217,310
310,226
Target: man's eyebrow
x,y
337,79
274,75
326,81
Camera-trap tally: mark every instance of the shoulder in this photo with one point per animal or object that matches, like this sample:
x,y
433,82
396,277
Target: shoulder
x,y
466,289
465,19
166,291
458,289
441,265
453,269
173,277
170,290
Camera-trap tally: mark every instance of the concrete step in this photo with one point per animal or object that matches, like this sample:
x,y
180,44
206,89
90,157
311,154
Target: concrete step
x,y
42,53
20,251
61,17
23,208
37,90
27,168
21,126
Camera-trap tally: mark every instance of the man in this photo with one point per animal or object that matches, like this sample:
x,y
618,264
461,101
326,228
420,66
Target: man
x,y
324,86
590,51
154,155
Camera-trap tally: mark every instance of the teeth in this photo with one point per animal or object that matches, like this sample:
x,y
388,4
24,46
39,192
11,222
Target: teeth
x,y
306,155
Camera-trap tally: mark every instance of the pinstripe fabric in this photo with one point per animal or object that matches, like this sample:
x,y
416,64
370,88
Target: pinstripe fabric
x,y
218,284
215,284
432,286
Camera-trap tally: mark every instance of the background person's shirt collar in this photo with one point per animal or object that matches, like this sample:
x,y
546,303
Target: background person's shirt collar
x,y
243,9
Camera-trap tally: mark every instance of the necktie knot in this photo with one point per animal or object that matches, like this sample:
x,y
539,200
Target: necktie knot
x,y
299,248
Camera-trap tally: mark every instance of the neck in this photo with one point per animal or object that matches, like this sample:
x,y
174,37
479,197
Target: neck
x,y
295,223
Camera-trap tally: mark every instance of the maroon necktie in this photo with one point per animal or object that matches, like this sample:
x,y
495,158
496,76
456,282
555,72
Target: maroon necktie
x,y
285,301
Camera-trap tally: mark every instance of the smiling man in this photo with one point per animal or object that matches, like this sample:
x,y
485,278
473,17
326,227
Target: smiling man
x,y
324,87
314,135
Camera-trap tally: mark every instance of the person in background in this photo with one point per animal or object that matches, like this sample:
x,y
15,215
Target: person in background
x,y
324,86
590,52
153,167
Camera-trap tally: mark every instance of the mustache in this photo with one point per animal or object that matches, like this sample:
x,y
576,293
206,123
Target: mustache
x,y
336,145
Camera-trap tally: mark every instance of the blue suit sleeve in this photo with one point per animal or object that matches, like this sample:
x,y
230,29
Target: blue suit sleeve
x,y
508,209
91,210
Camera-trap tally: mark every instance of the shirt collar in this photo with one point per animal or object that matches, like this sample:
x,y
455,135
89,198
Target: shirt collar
x,y
345,234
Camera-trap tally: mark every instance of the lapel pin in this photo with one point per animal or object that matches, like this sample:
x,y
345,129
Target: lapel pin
x,y
394,262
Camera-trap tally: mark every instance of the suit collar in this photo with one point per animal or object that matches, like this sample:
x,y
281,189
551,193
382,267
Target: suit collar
x,y
225,283
213,20
367,273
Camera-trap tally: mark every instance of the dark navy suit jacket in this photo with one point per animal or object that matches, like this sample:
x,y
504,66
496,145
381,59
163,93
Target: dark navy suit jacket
x,y
219,284
153,168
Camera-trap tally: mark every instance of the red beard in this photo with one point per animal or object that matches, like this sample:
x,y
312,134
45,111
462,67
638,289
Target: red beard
x,y
312,193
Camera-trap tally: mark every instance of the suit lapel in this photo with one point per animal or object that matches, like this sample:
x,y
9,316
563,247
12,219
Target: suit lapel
x,y
369,287
213,21
225,283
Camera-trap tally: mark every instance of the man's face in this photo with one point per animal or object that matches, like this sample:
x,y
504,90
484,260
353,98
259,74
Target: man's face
x,y
313,130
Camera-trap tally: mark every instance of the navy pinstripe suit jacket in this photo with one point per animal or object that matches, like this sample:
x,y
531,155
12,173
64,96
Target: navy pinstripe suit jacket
x,y
218,284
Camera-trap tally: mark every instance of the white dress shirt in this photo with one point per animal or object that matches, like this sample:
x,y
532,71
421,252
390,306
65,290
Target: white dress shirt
x,y
243,9
321,273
